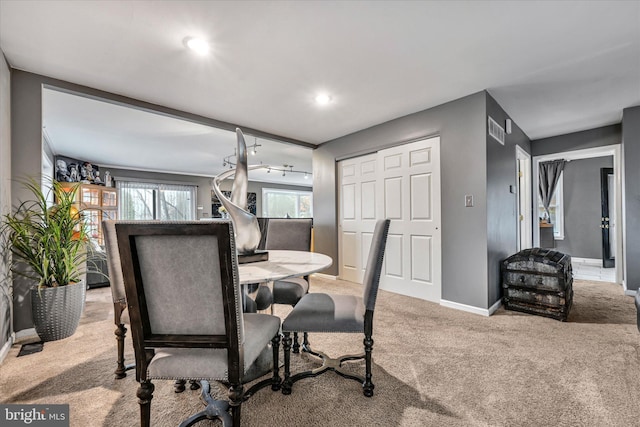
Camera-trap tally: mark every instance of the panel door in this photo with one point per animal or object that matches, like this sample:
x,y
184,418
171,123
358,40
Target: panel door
x,y
357,214
409,195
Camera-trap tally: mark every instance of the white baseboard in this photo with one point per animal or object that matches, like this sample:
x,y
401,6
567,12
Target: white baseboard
x,y
471,309
6,347
325,276
495,307
630,292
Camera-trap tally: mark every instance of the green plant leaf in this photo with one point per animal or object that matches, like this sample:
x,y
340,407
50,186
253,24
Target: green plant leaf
x,y
48,241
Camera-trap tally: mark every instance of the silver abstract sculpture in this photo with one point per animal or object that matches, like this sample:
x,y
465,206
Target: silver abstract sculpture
x,y
245,223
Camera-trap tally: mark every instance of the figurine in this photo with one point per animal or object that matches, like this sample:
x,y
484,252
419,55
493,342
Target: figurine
x,y
73,173
62,173
83,174
108,181
97,179
87,172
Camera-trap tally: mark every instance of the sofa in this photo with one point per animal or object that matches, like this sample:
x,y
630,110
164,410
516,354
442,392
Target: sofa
x,y
97,273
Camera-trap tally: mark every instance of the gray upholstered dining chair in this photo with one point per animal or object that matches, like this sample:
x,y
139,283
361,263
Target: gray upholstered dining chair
x,y
120,313
327,313
184,298
292,234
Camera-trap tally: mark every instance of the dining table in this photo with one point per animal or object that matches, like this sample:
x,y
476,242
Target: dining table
x,y
281,264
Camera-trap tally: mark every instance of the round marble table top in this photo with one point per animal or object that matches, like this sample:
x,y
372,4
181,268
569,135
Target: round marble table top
x,y
283,264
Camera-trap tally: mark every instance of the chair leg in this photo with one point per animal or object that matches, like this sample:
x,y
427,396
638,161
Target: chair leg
x,y
236,396
367,387
296,344
276,381
286,346
120,332
121,370
305,339
179,386
145,394
305,342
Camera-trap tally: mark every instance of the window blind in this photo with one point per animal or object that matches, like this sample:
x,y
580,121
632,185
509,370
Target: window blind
x,y
147,201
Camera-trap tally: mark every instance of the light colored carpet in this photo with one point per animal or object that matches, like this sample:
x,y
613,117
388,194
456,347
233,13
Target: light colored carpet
x,y
433,366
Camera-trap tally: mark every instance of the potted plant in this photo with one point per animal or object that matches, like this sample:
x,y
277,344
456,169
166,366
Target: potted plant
x,y
48,245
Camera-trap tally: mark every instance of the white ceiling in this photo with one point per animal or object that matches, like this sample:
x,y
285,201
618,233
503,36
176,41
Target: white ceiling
x,y
112,135
555,67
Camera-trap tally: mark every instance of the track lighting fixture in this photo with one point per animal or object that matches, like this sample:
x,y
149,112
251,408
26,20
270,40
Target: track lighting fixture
x,y
230,161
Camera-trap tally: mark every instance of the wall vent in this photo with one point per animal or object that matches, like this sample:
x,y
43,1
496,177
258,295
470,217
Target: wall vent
x,y
496,131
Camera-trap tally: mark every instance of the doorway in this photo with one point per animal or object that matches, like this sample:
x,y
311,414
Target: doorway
x,y
524,212
611,150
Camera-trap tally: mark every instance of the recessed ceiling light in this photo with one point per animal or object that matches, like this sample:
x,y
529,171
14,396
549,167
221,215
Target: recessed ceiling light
x,y
323,99
199,46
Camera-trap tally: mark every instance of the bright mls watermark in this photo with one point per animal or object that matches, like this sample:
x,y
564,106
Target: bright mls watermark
x,y
34,415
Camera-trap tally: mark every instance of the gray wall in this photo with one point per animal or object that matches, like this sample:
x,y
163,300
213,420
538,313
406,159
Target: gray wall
x,y
26,161
582,207
5,200
461,125
502,222
598,137
631,156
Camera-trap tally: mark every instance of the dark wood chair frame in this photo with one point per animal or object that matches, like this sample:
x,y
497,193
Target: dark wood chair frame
x,y
121,331
145,341
335,364
120,305
119,300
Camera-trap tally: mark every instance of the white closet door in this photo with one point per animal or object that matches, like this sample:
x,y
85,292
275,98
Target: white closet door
x,y
403,184
409,188
357,186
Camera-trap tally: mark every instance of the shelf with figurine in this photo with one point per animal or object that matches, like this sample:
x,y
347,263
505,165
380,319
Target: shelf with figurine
x,y
97,200
73,170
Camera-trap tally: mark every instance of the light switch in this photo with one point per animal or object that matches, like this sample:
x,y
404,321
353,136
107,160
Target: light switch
x,y
468,201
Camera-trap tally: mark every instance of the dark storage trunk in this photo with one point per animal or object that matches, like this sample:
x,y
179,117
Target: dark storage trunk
x,y
538,281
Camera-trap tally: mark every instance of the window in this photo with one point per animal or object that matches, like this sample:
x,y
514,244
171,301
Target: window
x,y
287,203
168,202
555,210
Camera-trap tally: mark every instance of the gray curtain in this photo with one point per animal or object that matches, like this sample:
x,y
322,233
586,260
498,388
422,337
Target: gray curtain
x,y
548,176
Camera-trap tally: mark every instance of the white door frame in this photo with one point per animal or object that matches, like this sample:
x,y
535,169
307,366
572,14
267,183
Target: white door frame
x,y
524,208
588,153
